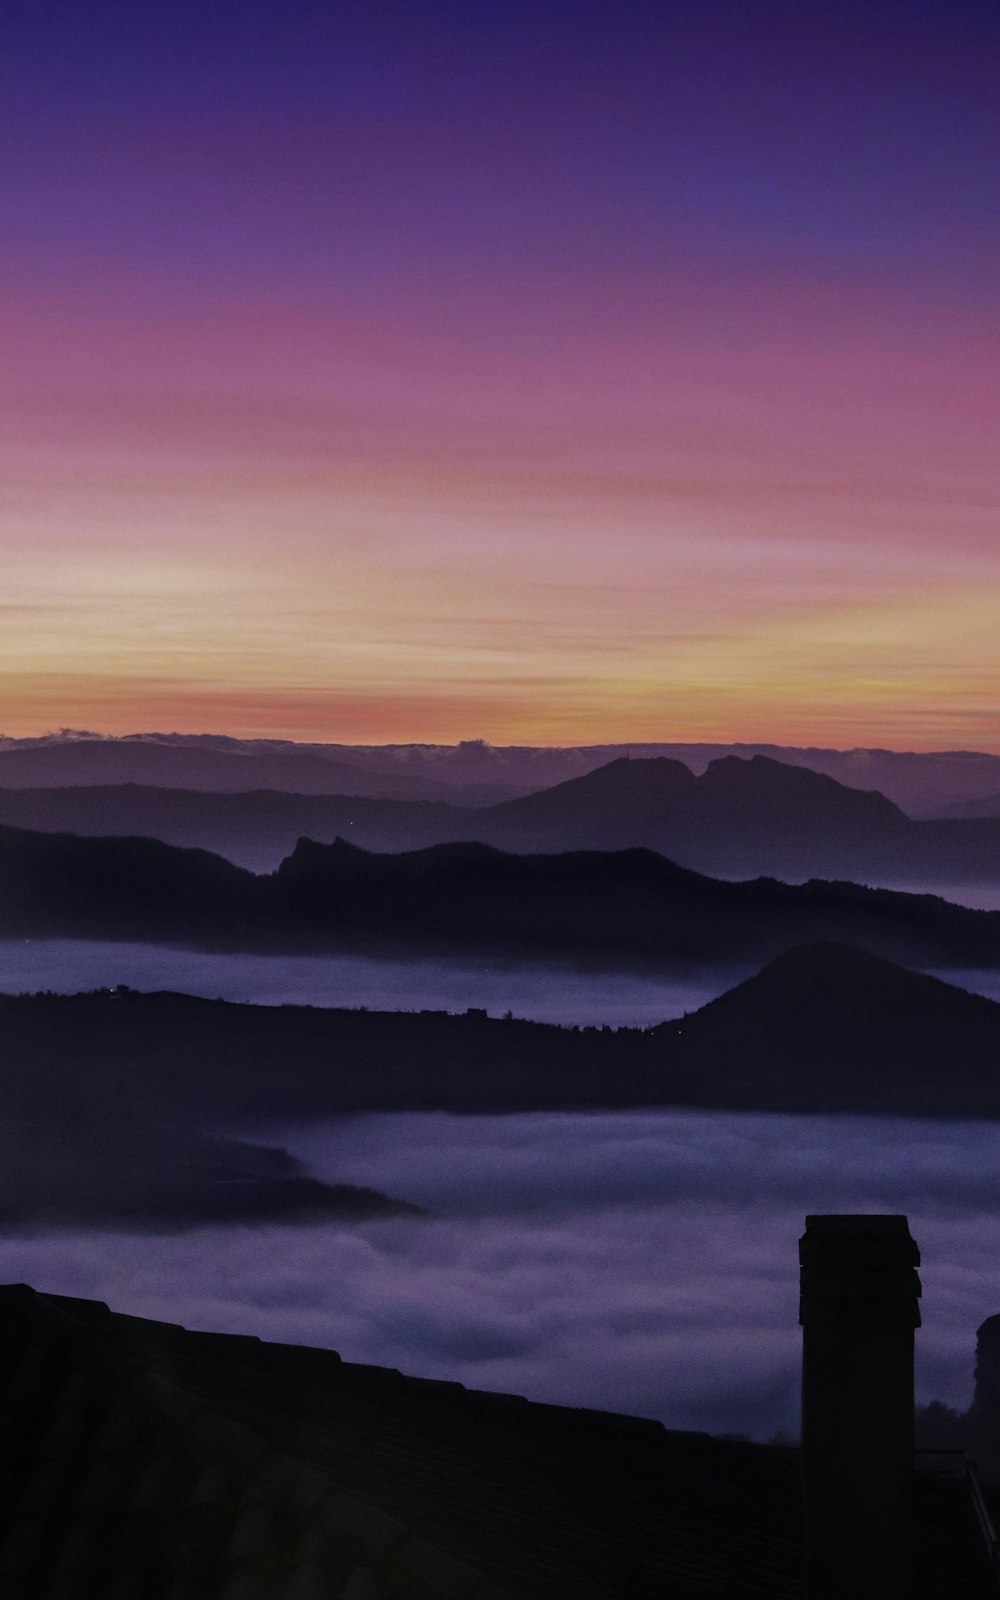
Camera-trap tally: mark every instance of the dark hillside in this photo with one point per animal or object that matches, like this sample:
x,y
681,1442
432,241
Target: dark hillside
x,y
819,1029
630,909
740,818
827,1027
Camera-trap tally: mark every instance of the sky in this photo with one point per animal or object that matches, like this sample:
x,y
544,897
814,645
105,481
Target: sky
x,y
543,373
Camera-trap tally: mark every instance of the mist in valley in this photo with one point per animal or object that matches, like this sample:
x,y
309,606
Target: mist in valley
x,y
642,1262
638,1261
563,995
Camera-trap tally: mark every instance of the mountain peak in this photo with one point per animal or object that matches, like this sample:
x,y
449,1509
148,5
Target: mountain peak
x,y
626,784
828,959
777,784
648,773
809,979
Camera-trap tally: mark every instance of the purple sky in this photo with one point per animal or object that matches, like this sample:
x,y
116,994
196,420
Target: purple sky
x,y
542,372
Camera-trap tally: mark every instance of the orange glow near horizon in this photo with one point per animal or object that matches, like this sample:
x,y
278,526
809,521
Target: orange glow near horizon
x,y
383,535
868,675
546,374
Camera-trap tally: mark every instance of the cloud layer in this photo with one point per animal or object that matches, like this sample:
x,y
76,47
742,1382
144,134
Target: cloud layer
x,y
642,1262
71,966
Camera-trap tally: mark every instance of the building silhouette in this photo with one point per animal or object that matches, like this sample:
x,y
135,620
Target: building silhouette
x,y
143,1461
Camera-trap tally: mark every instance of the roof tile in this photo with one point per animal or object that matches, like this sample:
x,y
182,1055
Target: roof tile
x,y
107,1483
249,1583
160,1483
313,1581
117,1435
48,1490
25,1545
364,1525
185,1586
142,1542
447,1577
253,1537
198,1540
361,1584
84,1545
130,1585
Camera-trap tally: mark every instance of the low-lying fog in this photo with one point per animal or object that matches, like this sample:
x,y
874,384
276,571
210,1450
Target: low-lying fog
x,y
641,1261
644,1262
68,966
563,995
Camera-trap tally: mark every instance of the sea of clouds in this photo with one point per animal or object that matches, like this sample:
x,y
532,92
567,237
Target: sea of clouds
x,y
542,994
69,966
643,1262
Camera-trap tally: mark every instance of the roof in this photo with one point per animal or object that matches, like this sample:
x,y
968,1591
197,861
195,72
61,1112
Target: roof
x,y
143,1461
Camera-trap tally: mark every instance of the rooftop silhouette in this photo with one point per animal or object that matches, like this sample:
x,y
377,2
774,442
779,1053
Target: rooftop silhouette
x,y
142,1458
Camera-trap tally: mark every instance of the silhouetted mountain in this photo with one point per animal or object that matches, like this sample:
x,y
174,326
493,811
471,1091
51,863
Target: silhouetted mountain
x,y
743,817
921,782
474,771
738,819
777,794
197,766
61,886
57,1173
630,909
827,1027
129,1059
819,1029
256,829
986,806
617,806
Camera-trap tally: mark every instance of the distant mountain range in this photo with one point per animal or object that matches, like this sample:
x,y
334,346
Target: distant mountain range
x,y
631,909
472,772
823,1028
739,818
224,767
987,805
744,816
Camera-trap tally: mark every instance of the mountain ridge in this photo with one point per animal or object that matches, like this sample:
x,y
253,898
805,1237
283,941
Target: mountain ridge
x,y
631,909
822,1028
739,818
922,782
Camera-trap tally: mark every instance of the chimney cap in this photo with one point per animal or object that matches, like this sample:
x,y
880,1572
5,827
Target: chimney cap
x,y
870,1223
858,1263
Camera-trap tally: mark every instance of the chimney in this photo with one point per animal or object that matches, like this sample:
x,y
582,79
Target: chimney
x,y
987,1395
858,1310
982,1420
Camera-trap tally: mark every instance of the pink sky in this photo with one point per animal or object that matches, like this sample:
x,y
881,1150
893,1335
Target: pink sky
x,y
736,481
